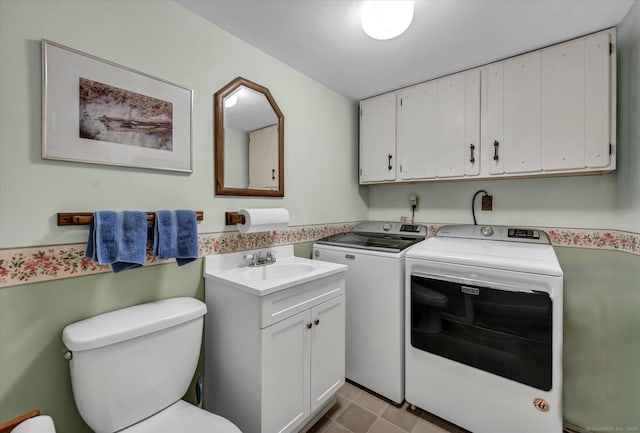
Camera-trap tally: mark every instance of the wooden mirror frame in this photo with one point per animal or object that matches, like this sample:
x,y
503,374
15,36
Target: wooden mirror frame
x,y
219,141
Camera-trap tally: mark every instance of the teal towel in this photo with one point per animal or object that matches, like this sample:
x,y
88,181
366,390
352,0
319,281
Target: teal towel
x,y
118,238
175,236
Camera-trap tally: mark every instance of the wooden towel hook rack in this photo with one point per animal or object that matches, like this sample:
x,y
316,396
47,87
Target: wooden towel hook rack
x,y
233,218
86,218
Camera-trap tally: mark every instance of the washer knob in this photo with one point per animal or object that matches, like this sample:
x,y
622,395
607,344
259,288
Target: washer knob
x,y
386,227
486,231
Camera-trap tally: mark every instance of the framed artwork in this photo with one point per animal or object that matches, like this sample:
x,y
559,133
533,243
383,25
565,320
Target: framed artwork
x,y
98,112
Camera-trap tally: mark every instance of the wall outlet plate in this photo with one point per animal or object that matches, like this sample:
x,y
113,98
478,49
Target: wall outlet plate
x,y
487,202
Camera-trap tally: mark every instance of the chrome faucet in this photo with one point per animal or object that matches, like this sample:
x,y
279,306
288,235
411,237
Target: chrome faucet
x,y
258,259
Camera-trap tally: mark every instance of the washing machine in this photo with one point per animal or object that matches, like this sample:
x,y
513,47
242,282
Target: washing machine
x,y
374,295
484,329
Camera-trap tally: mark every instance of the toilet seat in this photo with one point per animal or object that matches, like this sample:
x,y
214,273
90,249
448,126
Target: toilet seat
x,y
183,417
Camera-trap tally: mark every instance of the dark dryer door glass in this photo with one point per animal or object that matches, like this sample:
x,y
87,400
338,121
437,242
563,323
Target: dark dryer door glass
x,y
504,332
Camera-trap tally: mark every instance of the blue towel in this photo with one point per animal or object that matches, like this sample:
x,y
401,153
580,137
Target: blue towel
x,y
118,238
176,236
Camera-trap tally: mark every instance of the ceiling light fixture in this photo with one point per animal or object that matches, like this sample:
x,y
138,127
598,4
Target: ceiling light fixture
x,y
386,19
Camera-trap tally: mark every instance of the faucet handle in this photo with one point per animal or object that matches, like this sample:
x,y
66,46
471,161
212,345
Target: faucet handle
x,y
250,258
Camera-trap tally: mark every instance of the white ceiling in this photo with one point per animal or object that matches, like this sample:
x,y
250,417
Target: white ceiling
x,y
324,39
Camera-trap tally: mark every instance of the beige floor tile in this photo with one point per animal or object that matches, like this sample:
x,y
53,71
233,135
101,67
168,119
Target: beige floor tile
x,y
423,426
356,419
335,428
400,417
371,403
384,426
336,409
320,426
349,391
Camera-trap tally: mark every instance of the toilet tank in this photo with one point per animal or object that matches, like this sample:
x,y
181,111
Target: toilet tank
x,y
129,364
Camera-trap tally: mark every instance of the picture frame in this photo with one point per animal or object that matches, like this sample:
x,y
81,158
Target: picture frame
x,y
98,112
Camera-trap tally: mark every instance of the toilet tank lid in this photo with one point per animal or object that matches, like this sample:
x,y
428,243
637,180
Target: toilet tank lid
x,y
131,322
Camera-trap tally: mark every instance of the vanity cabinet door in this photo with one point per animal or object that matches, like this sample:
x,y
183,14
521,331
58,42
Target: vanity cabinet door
x,y
327,350
286,373
417,131
378,138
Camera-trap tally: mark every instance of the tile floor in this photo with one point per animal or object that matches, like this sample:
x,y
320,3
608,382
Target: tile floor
x,y
359,411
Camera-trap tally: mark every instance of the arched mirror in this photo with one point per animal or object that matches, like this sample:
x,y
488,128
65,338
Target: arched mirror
x,y
249,141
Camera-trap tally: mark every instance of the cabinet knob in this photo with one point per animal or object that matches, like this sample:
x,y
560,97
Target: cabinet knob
x,y
309,325
316,322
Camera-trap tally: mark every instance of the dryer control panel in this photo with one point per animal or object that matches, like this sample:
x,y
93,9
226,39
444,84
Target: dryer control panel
x,y
494,233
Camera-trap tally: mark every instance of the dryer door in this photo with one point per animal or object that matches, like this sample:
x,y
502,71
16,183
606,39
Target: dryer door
x,y
504,332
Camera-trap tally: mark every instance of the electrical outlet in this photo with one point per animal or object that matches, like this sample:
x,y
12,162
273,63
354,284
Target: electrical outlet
x,y
487,202
413,201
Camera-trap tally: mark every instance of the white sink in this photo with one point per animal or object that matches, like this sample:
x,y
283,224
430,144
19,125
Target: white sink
x,y
288,271
277,271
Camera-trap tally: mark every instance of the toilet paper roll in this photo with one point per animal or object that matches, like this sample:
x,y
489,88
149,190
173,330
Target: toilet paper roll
x,y
262,220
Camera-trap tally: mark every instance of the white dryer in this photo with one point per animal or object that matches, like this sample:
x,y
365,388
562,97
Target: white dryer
x,y
375,253
484,329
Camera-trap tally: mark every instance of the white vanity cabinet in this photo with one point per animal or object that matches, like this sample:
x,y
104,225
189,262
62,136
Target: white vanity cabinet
x,y
378,138
274,360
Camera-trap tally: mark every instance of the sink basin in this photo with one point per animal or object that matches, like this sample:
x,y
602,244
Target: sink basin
x,y
277,271
231,269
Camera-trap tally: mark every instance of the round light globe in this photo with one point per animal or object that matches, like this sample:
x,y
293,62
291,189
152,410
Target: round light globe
x,y
386,19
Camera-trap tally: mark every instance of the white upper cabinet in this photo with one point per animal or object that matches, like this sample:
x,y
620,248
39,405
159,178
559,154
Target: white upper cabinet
x,y
600,102
439,128
493,118
550,111
471,145
575,104
451,124
521,137
378,138
417,131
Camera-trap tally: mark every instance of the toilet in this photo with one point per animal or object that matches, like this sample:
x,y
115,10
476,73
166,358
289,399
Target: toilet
x,y
131,367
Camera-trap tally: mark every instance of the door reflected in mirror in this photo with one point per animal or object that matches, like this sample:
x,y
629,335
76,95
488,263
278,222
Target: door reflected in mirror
x,y
249,141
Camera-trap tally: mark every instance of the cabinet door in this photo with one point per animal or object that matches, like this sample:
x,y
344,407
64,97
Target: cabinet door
x,y
493,108
472,124
563,106
417,128
451,126
327,350
522,114
378,138
598,101
286,374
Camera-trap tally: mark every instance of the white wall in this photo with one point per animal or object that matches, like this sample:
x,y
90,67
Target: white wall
x,y
610,201
165,40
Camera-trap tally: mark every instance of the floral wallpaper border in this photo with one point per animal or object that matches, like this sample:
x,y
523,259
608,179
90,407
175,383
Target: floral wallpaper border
x,y
30,265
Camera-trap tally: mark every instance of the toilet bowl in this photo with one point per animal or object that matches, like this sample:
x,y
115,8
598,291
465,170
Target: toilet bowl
x,y
131,367
38,424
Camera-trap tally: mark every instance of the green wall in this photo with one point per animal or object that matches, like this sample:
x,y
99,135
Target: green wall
x,y
33,372
601,341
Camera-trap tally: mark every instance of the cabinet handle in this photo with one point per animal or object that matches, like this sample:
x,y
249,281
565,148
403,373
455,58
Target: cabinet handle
x,y
309,325
495,150
390,167
273,174
316,322
472,160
